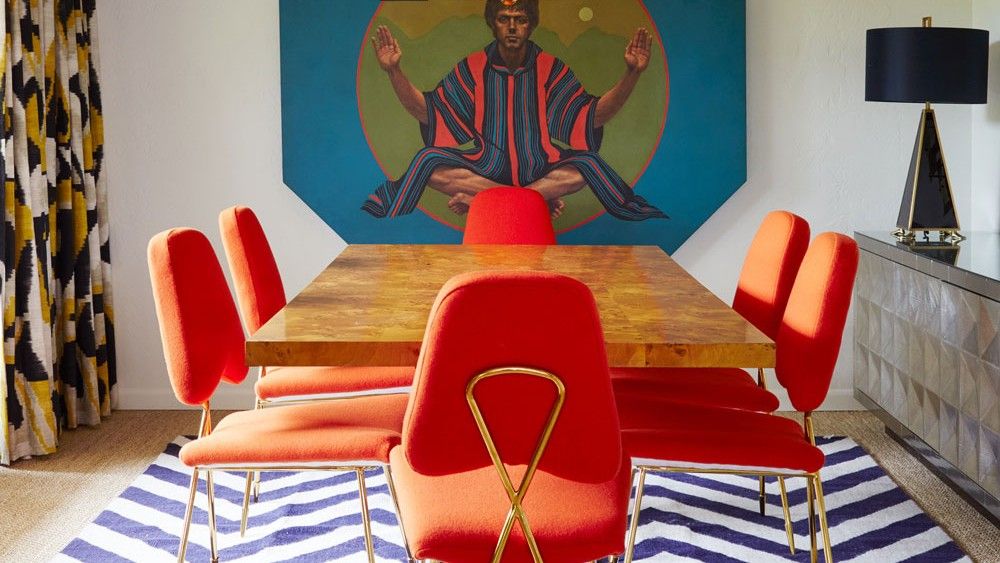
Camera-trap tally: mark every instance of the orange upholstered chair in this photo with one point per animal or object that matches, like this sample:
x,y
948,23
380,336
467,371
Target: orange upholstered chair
x,y
507,215
260,294
504,385
761,295
745,442
203,343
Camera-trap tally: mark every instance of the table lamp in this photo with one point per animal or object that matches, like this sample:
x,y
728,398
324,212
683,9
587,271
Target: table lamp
x,y
927,65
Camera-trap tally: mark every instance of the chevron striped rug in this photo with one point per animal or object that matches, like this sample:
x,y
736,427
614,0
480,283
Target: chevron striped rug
x,y
314,516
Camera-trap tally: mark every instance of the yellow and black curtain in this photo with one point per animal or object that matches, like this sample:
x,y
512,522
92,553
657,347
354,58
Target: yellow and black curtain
x,y
58,337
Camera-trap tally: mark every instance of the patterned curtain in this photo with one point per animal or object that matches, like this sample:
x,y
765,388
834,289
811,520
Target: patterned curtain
x,y
58,340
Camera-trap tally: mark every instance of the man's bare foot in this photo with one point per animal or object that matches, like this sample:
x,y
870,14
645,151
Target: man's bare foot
x,y
556,207
459,203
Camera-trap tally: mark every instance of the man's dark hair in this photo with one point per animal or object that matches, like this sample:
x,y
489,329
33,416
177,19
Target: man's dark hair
x,y
529,7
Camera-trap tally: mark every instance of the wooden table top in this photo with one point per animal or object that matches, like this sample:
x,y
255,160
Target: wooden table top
x,y
370,306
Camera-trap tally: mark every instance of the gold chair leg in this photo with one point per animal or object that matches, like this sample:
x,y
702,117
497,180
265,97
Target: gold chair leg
x,y
399,516
182,550
636,509
631,485
788,515
365,517
257,405
763,501
212,536
827,548
812,520
246,504
246,493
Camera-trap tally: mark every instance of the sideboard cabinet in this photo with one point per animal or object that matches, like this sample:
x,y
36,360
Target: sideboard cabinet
x,y
927,353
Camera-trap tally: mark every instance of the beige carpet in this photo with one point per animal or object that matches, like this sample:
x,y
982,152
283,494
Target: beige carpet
x,y
45,502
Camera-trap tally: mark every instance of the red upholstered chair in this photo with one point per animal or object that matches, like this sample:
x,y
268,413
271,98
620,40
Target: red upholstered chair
x,y
514,347
744,442
761,295
203,343
260,294
507,215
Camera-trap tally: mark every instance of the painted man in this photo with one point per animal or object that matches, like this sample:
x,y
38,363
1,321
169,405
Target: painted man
x,y
510,101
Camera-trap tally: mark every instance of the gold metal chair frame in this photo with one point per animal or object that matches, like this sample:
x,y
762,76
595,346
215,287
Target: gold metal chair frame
x,y
204,429
516,495
814,487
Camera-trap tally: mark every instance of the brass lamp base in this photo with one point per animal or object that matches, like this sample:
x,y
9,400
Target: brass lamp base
x,y
928,203
944,235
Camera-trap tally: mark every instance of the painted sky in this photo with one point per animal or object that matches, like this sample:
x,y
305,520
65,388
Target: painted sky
x,y
566,18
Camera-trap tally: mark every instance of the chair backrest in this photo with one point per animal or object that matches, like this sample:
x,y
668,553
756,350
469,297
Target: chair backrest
x,y
769,270
485,320
256,278
811,330
202,338
507,215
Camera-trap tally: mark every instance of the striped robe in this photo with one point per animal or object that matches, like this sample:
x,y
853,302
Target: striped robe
x,y
511,117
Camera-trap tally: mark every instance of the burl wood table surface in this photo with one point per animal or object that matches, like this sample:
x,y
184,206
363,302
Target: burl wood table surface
x,y
370,307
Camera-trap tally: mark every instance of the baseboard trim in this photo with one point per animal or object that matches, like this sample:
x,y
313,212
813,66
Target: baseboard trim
x,y
225,398
836,400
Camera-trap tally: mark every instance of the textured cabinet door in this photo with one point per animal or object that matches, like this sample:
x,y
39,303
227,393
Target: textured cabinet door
x,y
927,352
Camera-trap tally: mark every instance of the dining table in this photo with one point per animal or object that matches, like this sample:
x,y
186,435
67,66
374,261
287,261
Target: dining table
x,y
370,306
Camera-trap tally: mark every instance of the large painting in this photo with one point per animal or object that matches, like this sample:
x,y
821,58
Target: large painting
x,y
627,116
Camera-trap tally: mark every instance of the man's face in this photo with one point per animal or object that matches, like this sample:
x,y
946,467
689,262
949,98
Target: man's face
x,y
511,28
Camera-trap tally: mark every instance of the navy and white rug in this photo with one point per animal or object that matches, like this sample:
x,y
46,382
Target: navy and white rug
x,y
315,516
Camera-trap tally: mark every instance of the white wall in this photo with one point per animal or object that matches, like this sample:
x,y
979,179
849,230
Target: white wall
x,y
985,215
191,99
815,146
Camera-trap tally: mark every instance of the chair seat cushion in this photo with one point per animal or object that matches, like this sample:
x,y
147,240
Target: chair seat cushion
x,y
288,381
723,387
361,429
458,518
726,438
695,375
650,412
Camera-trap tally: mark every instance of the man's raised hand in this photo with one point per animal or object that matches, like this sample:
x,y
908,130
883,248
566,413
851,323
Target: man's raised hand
x,y
637,51
388,53
387,50
636,61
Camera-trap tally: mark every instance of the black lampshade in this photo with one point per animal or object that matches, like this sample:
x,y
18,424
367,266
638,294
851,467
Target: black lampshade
x,y
943,65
